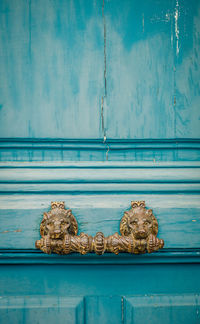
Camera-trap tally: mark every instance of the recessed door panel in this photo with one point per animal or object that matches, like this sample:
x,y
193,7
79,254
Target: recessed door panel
x,y
103,310
41,310
165,309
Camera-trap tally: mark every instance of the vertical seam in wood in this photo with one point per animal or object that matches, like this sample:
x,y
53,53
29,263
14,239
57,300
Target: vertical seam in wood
x,y
105,84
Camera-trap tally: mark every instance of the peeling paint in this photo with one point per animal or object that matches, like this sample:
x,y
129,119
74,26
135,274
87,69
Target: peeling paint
x,y
176,17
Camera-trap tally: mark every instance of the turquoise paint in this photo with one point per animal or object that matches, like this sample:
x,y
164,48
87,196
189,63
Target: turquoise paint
x,y
95,150
61,141
100,296
51,53
55,59
99,280
152,69
177,309
31,310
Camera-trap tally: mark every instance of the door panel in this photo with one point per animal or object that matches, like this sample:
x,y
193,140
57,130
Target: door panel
x,y
166,309
41,310
103,309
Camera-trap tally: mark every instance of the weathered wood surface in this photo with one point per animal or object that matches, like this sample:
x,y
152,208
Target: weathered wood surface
x,y
97,150
51,63
98,194
79,294
99,69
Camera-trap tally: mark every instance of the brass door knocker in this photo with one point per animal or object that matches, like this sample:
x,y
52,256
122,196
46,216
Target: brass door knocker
x,y
138,228
59,230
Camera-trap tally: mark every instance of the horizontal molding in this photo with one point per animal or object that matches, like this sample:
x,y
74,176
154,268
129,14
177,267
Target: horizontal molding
x,y
34,257
98,143
98,198
99,165
92,188
130,174
97,150
104,178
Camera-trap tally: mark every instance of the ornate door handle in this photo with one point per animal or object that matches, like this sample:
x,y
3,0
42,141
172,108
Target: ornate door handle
x,y
138,228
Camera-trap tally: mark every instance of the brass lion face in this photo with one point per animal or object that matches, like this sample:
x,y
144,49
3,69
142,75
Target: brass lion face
x,y
58,222
57,227
139,222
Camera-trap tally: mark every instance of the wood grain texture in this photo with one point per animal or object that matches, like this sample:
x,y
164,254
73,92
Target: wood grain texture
x,y
139,101
96,150
90,69
51,63
186,45
105,96
152,56
98,195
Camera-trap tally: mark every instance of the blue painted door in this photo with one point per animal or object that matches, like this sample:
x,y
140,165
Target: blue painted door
x,y
99,106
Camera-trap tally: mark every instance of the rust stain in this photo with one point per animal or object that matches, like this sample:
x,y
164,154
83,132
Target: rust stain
x,y
17,230
174,100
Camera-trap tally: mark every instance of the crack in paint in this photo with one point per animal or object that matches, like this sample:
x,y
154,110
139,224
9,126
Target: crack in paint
x,y
30,31
104,29
105,83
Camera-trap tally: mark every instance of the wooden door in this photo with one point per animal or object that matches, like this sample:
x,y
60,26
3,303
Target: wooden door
x,y
99,106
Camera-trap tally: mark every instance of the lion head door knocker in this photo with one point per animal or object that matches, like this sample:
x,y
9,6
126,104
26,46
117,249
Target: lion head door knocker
x,y
59,232
138,228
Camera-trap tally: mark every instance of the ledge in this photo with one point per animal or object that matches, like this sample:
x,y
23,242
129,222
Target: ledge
x,y
35,257
24,149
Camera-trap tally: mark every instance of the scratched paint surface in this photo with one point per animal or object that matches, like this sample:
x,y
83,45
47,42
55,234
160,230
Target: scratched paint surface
x,y
153,75
99,80
100,69
51,63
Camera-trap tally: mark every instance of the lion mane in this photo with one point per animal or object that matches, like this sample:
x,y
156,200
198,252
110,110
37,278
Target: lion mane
x,y
137,208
